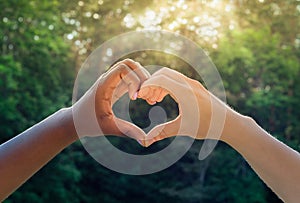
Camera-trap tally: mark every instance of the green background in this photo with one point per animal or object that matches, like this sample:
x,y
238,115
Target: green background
x,y
254,44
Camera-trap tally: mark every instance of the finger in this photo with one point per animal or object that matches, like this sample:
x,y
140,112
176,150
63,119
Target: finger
x,y
135,66
109,85
163,83
158,94
141,142
150,96
163,93
175,75
139,70
143,93
142,73
154,94
130,130
132,81
150,142
145,71
163,131
150,102
147,94
120,90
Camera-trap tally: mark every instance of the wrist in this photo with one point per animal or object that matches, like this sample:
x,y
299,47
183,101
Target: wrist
x,y
235,127
66,123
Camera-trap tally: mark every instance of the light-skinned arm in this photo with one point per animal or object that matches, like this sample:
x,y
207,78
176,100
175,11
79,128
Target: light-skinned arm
x,y
276,164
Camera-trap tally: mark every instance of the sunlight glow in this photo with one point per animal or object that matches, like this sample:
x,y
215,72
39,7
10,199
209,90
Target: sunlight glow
x,y
100,2
51,27
80,3
214,3
88,14
196,19
227,8
96,16
109,52
174,16
231,27
70,36
150,20
173,25
129,21
5,19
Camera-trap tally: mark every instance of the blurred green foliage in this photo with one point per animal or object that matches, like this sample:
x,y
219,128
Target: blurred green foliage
x,y
254,44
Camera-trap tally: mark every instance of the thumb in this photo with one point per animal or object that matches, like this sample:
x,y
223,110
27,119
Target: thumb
x,y
163,131
130,130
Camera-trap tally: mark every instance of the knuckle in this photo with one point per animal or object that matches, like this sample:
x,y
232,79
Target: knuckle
x,y
164,70
161,78
133,85
127,60
122,66
136,80
108,116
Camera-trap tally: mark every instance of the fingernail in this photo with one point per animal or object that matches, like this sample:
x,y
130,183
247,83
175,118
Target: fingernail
x,y
143,143
135,96
140,142
139,95
148,143
152,102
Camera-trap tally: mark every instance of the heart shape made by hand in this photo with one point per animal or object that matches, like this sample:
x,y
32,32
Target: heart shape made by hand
x,y
93,114
154,89
169,82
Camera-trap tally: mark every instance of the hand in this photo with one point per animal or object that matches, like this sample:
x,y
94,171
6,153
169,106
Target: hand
x,y
197,107
93,114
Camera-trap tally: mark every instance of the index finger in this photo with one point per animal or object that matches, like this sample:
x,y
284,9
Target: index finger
x,y
142,73
163,131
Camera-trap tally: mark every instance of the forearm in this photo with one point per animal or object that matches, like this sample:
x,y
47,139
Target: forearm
x,y
25,154
277,164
